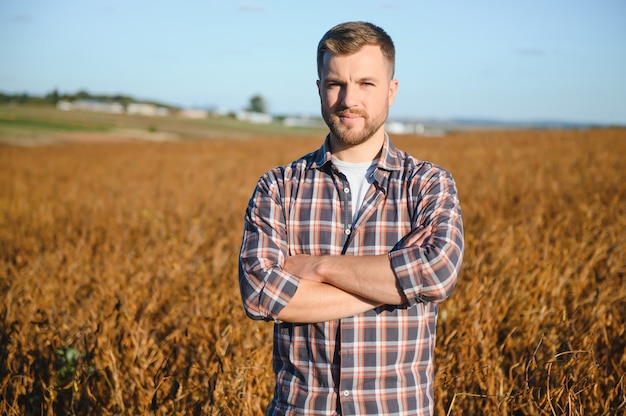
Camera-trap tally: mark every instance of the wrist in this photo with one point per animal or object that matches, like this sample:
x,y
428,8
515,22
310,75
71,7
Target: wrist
x,y
320,269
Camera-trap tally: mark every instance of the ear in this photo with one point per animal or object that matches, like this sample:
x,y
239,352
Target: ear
x,y
393,88
318,88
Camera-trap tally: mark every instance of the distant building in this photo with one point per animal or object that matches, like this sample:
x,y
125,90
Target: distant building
x,y
303,121
64,105
145,109
91,105
396,127
254,117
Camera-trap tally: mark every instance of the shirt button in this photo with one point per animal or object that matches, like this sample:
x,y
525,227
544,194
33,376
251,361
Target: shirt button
x,y
346,393
347,231
346,190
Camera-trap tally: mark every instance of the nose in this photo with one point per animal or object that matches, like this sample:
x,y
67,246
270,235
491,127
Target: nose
x,y
349,96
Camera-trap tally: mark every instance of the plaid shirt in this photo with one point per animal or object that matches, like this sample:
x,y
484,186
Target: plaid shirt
x,y
379,362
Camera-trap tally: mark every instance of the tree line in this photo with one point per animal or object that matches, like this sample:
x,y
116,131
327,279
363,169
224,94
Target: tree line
x,y
257,103
54,96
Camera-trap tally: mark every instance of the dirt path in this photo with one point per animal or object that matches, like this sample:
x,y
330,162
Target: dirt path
x,y
118,135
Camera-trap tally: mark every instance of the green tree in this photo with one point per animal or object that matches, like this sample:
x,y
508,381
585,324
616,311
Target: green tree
x,y
82,95
257,104
53,96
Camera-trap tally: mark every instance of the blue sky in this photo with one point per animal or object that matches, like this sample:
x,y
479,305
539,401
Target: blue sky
x,y
505,60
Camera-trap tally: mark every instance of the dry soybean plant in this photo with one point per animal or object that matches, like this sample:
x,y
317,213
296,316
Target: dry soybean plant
x,y
118,273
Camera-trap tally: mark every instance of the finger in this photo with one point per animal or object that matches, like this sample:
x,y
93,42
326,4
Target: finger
x,y
419,237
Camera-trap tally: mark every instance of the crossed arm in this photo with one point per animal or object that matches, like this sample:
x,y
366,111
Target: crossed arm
x,y
334,287
308,289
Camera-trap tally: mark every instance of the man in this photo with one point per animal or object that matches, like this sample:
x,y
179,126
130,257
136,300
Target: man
x,y
351,248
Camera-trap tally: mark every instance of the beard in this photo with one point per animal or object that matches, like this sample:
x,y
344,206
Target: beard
x,y
352,135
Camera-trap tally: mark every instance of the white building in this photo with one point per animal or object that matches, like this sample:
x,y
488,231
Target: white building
x,y
253,117
91,105
145,109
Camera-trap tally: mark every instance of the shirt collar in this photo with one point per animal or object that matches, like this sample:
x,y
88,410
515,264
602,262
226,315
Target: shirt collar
x,y
389,156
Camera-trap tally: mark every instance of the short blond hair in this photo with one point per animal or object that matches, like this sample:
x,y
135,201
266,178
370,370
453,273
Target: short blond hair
x,y
349,37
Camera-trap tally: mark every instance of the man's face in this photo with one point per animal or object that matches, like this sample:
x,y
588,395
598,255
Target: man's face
x,y
356,92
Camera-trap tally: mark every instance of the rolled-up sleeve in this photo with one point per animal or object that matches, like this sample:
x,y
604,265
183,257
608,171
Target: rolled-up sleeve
x,y
428,273
265,287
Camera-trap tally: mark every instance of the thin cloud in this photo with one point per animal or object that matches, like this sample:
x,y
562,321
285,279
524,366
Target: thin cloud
x,y
530,52
252,7
388,6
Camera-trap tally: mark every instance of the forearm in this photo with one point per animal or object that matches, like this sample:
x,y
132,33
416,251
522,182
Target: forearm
x,y
369,277
319,302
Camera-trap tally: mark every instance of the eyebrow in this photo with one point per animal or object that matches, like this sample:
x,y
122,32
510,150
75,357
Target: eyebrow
x,y
339,81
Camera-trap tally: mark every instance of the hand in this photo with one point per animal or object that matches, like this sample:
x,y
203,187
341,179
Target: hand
x,y
420,236
303,266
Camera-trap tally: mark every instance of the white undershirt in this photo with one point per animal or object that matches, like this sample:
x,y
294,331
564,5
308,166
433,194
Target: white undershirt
x,y
359,176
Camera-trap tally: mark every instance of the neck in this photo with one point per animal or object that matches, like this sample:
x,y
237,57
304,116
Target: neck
x,y
363,152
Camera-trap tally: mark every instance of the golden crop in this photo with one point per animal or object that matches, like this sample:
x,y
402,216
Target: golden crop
x,y
118,276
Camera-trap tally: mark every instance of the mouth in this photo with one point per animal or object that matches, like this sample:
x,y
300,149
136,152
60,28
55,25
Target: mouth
x,y
349,115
